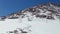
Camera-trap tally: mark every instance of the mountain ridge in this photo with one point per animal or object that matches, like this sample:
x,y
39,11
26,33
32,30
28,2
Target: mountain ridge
x,y
41,19
43,8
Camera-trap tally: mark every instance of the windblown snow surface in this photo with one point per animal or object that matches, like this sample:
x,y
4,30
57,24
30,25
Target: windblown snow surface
x,y
41,19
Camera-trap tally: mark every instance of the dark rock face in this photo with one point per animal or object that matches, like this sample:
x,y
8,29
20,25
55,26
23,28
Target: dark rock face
x,y
13,18
2,18
41,16
11,32
50,17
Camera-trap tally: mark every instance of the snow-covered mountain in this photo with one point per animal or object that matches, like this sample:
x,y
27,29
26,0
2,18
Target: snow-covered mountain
x,y
40,19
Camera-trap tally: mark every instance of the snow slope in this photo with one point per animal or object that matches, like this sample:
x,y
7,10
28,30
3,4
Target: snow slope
x,y
41,19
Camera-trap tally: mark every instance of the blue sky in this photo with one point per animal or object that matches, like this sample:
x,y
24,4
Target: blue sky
x,y
9,6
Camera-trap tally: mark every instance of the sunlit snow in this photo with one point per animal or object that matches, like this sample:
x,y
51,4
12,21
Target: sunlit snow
x,y
28,23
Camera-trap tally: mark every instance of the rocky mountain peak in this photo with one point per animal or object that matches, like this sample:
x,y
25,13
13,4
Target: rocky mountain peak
x,y
42,11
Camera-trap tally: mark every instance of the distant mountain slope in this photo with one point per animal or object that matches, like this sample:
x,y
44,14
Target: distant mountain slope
x,y
40,19
43,11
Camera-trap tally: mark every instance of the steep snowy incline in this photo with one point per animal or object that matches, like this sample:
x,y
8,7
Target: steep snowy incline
x,y
41,19
9,24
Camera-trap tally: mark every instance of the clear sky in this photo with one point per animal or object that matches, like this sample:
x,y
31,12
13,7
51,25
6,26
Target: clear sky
x,y
9,6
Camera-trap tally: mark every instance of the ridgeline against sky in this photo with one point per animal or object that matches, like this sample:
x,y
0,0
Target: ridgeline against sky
x,y
10,6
